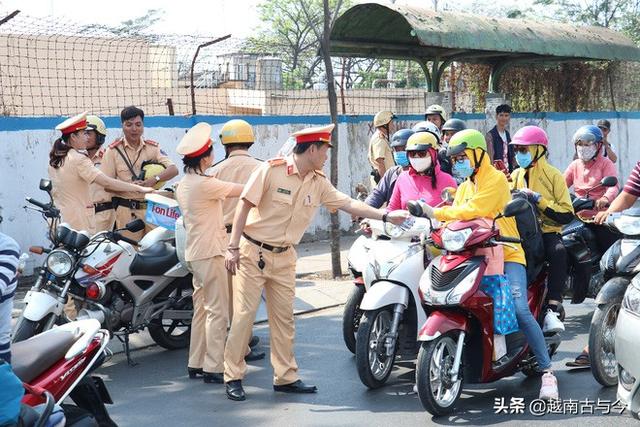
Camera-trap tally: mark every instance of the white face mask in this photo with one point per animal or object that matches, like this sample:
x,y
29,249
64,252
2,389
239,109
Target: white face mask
x,y
420,164
586,153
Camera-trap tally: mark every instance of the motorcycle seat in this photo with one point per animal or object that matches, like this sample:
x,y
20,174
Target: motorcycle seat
x,y
32,357
154,260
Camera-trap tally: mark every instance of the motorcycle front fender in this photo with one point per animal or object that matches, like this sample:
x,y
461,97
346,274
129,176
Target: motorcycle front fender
x,y
384,293
40,305
613,290
440,322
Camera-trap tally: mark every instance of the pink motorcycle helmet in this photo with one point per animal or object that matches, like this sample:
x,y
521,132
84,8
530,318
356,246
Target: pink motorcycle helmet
x,y
530,135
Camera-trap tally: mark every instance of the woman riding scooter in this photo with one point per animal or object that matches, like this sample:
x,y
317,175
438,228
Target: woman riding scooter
x,y
424,179
584,174
546,189
483,194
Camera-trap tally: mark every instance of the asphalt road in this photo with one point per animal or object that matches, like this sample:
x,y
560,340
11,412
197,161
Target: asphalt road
x,y
158,392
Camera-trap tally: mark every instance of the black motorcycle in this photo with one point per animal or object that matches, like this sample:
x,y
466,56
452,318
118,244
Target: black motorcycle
x,y
582,247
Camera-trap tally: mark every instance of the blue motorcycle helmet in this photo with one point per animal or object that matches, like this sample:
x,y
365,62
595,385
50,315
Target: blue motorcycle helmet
x,y
399,139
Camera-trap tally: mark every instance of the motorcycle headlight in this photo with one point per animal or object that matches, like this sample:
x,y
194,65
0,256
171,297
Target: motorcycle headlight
x,y
455,295
454,240
631,300
60,262
629,225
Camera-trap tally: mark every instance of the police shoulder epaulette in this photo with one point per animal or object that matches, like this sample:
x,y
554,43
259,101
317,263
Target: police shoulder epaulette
x,y
151,142
319,172
101,152
278,161
114,144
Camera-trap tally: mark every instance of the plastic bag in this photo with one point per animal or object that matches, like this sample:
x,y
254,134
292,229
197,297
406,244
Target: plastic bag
x,y
504,306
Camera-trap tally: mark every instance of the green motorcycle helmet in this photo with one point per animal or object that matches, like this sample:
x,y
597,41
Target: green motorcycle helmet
x,y
468,139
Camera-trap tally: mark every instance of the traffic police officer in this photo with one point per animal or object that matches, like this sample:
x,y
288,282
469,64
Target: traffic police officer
x,y
380,154
105,215
124,160
200,199
236,137
276,206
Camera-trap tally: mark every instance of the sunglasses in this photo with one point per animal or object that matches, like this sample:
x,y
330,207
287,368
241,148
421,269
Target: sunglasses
x,y
417,153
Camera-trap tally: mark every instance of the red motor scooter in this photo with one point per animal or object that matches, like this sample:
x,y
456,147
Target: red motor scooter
x,y
60,361
458,343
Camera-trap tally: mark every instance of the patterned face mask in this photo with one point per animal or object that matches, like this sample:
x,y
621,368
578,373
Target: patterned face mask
x,y
586,153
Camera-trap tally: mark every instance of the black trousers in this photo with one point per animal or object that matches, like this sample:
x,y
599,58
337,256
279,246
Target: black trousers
x,y
556,256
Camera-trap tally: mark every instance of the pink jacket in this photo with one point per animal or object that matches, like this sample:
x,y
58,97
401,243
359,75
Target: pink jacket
x,y
583,176
412,186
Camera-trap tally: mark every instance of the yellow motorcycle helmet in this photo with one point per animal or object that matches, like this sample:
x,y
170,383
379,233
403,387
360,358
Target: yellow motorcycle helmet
x,y
151,169
237,132
96,123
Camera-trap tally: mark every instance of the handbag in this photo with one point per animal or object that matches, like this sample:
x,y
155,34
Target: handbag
x,y
504,306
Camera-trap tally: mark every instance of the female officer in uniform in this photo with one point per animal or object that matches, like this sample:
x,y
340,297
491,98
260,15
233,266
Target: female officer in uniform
x,y
72,172
200,198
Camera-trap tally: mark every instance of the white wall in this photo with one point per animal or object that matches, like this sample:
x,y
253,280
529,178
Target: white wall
x,y
24,157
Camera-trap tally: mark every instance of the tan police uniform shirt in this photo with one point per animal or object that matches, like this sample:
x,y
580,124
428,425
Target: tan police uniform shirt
x,y
98,192
114,166
236,168
200,199
285,203
71,193
379,148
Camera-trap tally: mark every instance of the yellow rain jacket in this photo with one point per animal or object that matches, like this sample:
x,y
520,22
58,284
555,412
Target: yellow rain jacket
x,y
555,204
484,197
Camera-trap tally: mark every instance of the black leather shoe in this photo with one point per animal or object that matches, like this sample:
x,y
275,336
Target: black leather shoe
x,y
254,341
235,390
254,355
194,373
296,387
213,377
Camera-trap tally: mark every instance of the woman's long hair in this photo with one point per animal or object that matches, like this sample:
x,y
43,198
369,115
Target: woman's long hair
x,y
59,151
192,164
432,169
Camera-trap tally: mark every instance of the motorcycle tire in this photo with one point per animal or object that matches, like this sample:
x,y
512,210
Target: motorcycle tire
x,y
602,343
427,395
29,328
375,322
162,334
351,317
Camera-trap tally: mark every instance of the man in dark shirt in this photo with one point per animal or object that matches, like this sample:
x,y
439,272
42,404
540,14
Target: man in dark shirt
x,y
498,138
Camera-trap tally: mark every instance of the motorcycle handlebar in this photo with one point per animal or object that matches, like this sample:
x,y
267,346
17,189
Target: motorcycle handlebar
x,y
118,236
37,203
507,239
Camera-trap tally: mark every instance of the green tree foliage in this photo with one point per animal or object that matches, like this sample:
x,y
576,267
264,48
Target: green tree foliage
x,y
130,27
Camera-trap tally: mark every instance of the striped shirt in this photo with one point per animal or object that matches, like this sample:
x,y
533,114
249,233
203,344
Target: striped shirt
x,y
9,255
632,186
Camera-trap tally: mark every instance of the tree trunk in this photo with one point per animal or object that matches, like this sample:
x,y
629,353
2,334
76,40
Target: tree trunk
x,y
336,267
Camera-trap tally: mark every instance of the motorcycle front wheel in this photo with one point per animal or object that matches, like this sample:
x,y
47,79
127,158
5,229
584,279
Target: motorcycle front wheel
x,y
174,333
374,366
602,334
30,328
437,392
351,317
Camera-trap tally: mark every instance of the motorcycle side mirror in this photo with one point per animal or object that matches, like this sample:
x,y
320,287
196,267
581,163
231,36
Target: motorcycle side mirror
x,y
414,208
609,181
448,194
135,225
45,185
515,207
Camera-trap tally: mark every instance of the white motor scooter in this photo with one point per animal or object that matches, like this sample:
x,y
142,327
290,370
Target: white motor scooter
x,y
357,259
391,308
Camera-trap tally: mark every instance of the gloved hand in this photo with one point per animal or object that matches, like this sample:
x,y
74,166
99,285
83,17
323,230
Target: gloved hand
x,y
531,195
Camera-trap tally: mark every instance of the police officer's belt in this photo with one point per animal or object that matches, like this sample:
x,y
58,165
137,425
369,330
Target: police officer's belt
x,y
129,203
228,227
274,249
104,206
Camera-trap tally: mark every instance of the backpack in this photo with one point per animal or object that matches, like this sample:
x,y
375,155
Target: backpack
x,y
528,224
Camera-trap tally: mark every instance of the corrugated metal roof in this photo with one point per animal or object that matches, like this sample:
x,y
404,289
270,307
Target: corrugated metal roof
x,y
394,31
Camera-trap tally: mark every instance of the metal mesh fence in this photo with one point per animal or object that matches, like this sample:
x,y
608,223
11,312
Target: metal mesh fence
x,y
57,67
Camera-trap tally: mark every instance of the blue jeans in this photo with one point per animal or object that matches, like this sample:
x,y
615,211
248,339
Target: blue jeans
x,y
517,275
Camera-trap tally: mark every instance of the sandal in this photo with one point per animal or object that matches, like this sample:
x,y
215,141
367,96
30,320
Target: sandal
x,y
582,361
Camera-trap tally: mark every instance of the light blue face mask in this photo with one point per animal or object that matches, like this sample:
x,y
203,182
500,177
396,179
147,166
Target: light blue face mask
x,y
523,159
462,169
401,158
